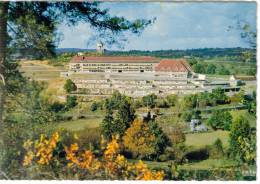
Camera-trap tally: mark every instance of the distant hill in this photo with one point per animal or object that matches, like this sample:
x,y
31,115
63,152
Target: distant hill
x,y
203,52
72,50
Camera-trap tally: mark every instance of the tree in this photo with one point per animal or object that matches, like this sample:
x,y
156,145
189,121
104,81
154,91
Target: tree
x,y
161,139
107,124
240,130
149,100
250,102
223,71
199,68
211,69
124,116
70,86
220,120
190,101
219,96
56,107
71,102
33,25
139,139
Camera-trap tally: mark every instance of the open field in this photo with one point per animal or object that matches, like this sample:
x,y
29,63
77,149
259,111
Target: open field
x,y
204,164
235,67
202,139
80,124
40,70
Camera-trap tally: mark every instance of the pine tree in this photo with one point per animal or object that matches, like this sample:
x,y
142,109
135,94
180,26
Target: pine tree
x,y
124,117
107,124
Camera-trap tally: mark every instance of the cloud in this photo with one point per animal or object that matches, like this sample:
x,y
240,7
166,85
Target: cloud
x,y
177,26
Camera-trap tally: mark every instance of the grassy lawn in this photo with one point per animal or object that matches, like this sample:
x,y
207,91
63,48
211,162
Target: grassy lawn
x,y
209,164
205,164
201,139
80,124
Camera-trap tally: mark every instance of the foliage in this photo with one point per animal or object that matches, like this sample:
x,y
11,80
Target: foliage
x,y
250,102
56,107
189,101
123,117
220,120
89,138
186,116
107,125
223,71
27,114
219,96
229,174
198,68
69,86
149,100
241,137
172,99
94,106
238,97
216,150
211,69
71,101
161,139
84,164
139,139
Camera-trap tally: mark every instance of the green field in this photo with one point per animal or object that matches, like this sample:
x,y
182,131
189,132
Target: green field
x,y
199,140
80,124
205,164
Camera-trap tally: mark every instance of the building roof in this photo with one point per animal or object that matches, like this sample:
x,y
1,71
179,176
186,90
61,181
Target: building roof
x,y
173,65
114,59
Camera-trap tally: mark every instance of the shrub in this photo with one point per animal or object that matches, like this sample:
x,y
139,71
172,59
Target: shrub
x,y
94,106
239,136
220,120
50,158
56,107
149,100
172,99
71,102
211,69
69,86
186,116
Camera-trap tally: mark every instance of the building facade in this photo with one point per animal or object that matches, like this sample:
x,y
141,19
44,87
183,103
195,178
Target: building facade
x,y
145,64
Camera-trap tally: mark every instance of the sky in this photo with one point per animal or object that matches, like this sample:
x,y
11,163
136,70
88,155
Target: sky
x,y
177,25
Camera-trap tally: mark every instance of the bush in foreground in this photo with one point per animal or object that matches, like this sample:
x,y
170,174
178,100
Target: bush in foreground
x,y
51,159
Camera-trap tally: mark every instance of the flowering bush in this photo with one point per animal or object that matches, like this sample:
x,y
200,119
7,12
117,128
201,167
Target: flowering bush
x,y
109,165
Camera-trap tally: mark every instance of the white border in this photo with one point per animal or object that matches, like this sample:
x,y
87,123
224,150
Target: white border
x,y
150,182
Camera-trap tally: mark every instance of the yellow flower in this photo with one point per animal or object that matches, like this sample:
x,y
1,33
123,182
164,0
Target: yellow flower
x,y
28,158
112,148
27,144
120,160
140,166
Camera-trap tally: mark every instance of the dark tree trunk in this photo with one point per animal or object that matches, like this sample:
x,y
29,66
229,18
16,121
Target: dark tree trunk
x,y
3,39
